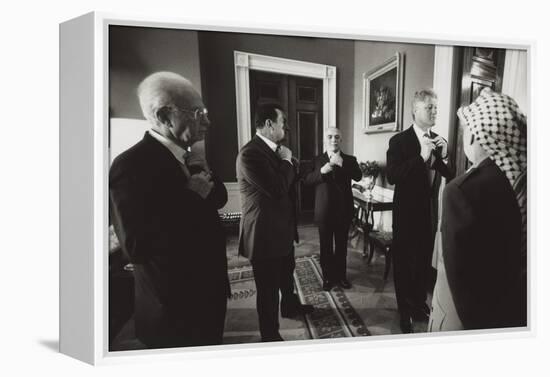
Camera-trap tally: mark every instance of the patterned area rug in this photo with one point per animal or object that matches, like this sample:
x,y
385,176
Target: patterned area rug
x,y
334,316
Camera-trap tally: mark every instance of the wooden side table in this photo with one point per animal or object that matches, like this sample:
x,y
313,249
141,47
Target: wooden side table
x,y
364,220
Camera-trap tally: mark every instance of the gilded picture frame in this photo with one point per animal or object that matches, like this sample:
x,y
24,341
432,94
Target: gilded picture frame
x,y
383,96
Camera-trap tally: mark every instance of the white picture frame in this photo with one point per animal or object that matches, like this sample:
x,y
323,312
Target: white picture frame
x,y
84,166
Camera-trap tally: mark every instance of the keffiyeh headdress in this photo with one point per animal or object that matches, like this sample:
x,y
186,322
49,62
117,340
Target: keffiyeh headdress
x,y
499,126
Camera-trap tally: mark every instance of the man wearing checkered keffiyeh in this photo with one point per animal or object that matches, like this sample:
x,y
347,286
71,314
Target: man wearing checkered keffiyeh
x,y
484,221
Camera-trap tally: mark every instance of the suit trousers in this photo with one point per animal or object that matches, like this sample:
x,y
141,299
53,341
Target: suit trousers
x,y
412,273
333,238
174,324
271,276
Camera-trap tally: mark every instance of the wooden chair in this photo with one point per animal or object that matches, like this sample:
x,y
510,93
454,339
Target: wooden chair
x,y
383,240
360,225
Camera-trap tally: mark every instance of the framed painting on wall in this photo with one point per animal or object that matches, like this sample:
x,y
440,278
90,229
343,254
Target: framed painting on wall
x,y
383,96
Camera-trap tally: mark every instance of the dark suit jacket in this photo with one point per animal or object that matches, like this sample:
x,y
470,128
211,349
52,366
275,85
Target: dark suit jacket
x,y
333,196
414,197
174,238
481,230
268,223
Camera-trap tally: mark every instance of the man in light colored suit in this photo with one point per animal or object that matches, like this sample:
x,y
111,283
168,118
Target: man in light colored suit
x,y
266,174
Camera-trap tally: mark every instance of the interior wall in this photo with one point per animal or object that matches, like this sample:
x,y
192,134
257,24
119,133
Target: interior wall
x,y
136,52
218,77
515,79
418,73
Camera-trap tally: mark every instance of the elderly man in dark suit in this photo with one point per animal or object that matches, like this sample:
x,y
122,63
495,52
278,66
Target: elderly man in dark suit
x,y
266,174
484,222
415,160
164,203
331,175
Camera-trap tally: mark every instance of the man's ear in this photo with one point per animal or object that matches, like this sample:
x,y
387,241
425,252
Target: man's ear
x,y
163,116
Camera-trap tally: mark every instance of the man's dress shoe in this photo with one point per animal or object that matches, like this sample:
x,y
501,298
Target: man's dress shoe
x,y
406,325
344,283
297,310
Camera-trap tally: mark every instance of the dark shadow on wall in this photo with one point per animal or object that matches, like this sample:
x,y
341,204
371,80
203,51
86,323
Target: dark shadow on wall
x,y
136,52
218,84
126,68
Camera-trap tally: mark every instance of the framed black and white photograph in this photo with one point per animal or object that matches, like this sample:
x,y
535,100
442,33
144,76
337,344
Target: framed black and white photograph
x,y
383,93
237,187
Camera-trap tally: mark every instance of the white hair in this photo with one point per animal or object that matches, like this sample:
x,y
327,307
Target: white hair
x,y
161,89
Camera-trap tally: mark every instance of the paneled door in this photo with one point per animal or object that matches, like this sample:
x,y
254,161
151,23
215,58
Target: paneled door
x,y
481,67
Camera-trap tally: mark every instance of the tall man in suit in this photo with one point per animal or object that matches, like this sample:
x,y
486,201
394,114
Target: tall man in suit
x,y
415,161
331,175
266,174
164,202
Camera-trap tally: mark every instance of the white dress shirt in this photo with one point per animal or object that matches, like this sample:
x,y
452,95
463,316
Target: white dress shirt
x,y
273,146
178,152
331,153
420,135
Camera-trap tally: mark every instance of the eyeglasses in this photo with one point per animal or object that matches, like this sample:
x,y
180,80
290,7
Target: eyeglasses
x,y
198,114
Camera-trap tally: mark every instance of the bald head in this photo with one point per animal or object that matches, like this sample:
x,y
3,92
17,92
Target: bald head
x,y
164,89
173,107
333,138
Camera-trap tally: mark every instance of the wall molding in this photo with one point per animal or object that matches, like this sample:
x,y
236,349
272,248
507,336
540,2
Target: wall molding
x,y
445,87
244,62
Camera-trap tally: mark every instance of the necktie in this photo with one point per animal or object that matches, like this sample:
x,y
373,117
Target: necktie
x,y
429,164
184,167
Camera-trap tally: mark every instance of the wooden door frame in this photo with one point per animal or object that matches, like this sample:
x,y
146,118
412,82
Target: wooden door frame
x,y
463,96
244,62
